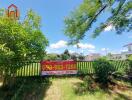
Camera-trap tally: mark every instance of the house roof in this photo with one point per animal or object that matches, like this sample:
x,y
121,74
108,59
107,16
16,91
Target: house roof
x,y
127,52
130,44
12,5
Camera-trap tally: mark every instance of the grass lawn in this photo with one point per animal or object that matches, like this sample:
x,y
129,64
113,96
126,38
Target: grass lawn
x,y
60,88
64,89
27,88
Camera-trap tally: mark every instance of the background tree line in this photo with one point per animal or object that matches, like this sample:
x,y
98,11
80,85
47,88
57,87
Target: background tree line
x,y
66,55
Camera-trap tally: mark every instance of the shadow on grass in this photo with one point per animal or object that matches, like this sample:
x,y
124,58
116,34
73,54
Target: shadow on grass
x,y
122,96
82,88
115,91
119,96
28,88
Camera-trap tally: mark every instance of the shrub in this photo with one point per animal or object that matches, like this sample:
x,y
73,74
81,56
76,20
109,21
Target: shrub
x,y
88,85
91,86
129,69
103,70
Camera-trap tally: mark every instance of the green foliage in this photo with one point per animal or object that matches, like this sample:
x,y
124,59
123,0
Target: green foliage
x,y
81,57
32,21
5,52
129,69
21,44
82,19
67,52
20,41
27,88
120,19
65,55
88,85
51,57
130,64
130,57
103,70
74,57
103,57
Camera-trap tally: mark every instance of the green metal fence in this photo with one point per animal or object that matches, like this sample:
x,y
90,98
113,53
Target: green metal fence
x,y
29,69
84,67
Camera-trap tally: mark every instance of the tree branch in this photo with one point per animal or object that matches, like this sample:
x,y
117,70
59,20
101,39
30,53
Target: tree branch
x,y
102,9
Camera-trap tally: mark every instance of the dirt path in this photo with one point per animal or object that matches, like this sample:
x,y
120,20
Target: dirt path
x,y
56,90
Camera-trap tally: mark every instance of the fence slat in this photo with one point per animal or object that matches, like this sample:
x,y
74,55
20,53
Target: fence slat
x,y
85,67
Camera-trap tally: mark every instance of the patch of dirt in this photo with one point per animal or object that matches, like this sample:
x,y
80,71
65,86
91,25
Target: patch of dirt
x,y
55,91
119,87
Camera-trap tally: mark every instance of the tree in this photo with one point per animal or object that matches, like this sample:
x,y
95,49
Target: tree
x,y
20,41
81,57
65,55
67,52
51,57
82,19
73,57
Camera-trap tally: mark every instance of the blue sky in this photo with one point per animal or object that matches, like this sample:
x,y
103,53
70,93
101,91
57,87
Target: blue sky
x,y
53,12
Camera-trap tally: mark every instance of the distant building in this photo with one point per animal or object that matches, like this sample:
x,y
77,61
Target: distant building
x,y
122,55
129,46
116,56
76,54
92,57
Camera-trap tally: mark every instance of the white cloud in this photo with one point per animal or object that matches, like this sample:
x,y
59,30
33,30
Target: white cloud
x,y
91,51
115,52
59,44
118,51
123,50
109,28
85,46
48,50
104,49
71,51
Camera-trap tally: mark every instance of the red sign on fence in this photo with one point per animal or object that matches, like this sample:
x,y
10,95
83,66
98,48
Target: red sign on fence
x,y
58,67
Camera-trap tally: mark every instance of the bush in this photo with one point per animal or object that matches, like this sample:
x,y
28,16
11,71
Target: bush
x,y
129,70
103,70
130,66
88,85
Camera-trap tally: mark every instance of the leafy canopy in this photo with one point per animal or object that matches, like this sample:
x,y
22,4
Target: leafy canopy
x,y
82,19
20,41
65,55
